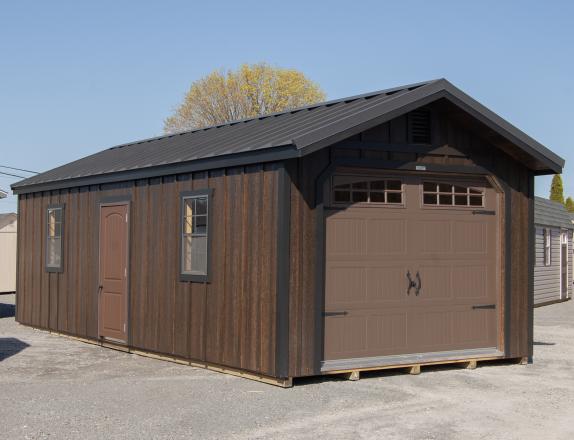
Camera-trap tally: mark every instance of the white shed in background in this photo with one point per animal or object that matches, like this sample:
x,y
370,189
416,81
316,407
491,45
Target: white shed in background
x,y
8,232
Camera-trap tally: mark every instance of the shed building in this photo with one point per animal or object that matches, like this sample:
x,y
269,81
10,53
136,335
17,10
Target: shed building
x,y
553,249
390,228
8,231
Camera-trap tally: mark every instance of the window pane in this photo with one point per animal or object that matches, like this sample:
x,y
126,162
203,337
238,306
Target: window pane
x,y
475,191
186,256
200,224
342,196
54,252
429,186
199,255
460,189
378,184
360,185
377,197
443,187
359,197
460,200
394,197
429,199
475,200
201,206
394,184
444,199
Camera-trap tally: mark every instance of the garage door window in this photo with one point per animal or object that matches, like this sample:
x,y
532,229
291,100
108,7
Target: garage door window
x,y
446,194
348,189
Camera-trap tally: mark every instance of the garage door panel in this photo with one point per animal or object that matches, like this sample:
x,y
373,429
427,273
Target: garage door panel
x,y
435,280
345,285
474,327
470,237
387,333
384,284
346,236
348,336
472,281
432,236
386,237
432,330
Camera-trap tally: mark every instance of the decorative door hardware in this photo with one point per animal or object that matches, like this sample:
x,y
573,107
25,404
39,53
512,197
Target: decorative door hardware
x,y
414,284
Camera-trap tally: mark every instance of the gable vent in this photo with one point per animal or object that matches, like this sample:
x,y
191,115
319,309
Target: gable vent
x,y
419,126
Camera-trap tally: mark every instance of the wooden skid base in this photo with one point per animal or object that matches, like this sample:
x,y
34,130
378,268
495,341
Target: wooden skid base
x,y
415,369
283,383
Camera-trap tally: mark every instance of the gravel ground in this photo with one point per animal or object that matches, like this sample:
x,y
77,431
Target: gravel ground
x,y
57,388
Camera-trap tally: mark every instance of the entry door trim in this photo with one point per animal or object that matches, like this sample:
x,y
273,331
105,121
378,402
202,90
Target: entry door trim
x,y
116,201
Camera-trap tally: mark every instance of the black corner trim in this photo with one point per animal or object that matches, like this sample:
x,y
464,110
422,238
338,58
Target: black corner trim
x,y
283,270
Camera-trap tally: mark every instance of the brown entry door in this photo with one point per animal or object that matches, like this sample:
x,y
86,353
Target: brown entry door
x,y
113,272
411,266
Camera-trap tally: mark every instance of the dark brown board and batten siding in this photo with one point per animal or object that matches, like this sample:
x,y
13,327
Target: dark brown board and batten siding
x,y
457,141
230,321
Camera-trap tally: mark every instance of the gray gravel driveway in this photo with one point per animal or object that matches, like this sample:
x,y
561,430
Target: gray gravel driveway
x,y
53,387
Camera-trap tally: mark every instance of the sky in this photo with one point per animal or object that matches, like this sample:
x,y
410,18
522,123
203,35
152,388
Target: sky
x,y
79,77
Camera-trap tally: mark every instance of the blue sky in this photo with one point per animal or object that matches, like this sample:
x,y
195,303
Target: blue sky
x,y
77,78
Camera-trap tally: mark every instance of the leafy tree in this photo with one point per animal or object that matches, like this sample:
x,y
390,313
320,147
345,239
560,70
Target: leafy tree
x,y
251,90
557,189
569,204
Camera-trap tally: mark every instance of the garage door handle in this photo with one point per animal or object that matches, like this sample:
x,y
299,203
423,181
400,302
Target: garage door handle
x,y
483,212
485,306
412,283
420,284
335,313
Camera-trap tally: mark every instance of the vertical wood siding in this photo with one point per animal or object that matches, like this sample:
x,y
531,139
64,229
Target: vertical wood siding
x,y
230,321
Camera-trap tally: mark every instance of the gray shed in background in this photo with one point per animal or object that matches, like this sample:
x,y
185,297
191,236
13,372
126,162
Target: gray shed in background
x,y
553,250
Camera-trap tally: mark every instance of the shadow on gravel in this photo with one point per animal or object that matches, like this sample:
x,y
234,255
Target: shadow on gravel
x,y
544,343
10,347
7,310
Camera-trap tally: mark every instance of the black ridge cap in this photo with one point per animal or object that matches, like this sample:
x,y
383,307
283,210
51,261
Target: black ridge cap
x,y
296,135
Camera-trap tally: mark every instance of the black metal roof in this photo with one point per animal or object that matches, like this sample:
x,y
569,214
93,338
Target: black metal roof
x,y
550,213
277,136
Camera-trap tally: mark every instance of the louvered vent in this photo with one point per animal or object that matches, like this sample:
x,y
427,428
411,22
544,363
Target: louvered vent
x,y
420,126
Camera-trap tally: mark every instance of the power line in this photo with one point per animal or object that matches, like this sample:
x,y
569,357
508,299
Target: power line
x,y
13,175
18,169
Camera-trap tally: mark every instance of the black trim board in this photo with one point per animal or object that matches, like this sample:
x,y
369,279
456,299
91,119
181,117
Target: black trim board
x,y
197,278
283,271
531,263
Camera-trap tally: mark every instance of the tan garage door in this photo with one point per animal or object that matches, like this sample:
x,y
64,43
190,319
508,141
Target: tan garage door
x,y
411,266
